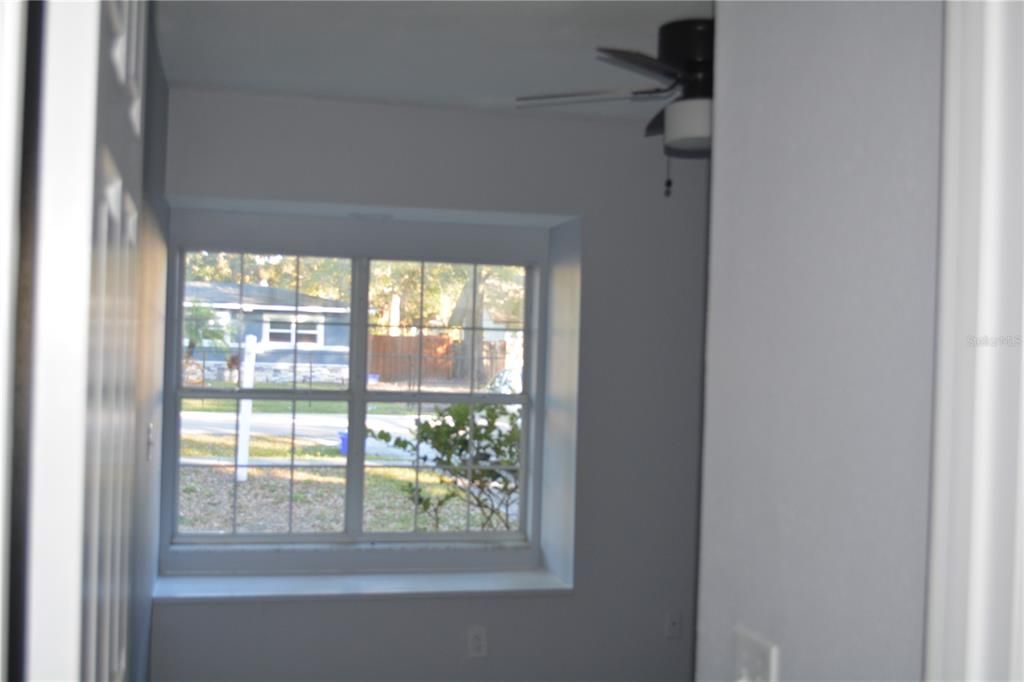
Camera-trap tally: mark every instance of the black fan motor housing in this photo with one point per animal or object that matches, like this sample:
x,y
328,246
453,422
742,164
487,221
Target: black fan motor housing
x,y
689,45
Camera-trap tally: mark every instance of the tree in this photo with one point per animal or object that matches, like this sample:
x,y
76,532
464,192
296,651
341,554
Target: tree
x,y
274,270
447,288
500,293
447,292
207,266
326,278
470,445
389,279
201,328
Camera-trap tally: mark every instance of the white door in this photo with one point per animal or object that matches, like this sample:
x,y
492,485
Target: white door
x,y
81,418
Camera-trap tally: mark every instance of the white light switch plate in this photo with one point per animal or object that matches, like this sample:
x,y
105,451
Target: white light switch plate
x,y
757,659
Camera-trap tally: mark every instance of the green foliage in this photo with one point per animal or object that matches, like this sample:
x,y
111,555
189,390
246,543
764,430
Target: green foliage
x,y
207,266
500,294
327,278
448,295
485,436
201,328
391,278
277,271
429,506
447,288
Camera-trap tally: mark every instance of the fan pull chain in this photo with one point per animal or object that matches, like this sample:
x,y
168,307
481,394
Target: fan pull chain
x,y
668,177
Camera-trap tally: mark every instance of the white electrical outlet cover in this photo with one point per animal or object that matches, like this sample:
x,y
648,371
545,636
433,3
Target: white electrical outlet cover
x,y
757,659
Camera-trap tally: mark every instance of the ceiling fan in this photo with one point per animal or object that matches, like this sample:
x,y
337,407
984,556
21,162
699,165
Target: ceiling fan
x,y
683,68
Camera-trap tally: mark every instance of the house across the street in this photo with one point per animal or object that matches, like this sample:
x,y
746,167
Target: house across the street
x,y
297,335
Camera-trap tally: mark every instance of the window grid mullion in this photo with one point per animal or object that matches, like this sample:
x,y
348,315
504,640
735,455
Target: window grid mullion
x,y
295,385
291,475
419,406
358,339
472,456
295,325
239,345
525,412
419,493
473,335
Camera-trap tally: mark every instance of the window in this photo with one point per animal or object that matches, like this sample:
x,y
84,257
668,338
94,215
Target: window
x,y
287,456
288,330
335,400
307,332
279,331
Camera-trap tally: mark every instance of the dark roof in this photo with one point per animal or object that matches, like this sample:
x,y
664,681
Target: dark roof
x,y
222,293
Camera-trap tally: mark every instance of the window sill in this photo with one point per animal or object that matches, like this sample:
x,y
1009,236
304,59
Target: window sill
x,y
260,588
235,561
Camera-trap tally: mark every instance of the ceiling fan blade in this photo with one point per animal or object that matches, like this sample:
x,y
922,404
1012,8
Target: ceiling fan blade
x,y
584,96
641,63
578,94
656,126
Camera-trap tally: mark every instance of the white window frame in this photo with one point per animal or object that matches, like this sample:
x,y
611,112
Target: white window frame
x,y
293,321
975,614
357,552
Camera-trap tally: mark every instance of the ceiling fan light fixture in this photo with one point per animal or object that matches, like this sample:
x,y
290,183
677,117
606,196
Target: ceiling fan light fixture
x,y
688,125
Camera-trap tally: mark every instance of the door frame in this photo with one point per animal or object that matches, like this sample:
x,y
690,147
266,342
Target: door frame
x,y
976,567
13,43
57,351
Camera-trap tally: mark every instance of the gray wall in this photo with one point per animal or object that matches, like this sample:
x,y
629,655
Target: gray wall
x,y
820,336
642,335
152,276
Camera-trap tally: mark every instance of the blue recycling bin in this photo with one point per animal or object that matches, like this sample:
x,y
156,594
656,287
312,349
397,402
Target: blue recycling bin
x,y
343,442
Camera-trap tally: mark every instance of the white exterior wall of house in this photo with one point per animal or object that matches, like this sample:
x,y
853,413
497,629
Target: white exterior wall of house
x,y
642,346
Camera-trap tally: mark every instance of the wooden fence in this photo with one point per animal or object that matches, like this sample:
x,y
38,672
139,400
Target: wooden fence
x,y
394,359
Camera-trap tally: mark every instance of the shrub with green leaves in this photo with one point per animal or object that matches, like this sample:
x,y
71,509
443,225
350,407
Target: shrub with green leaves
x,y
469,441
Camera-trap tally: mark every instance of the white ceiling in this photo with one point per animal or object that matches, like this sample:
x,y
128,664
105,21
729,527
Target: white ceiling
x,y
461,54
